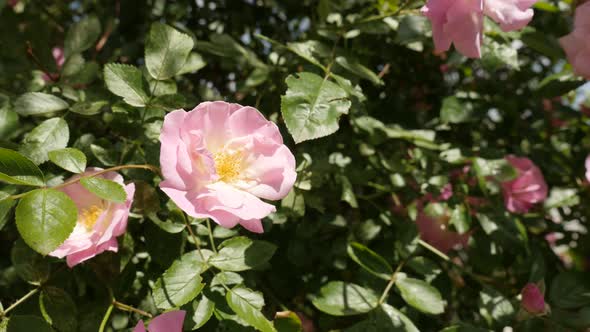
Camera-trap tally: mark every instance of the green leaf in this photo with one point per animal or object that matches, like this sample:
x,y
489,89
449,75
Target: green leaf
x,y
420,295
27,323
58,309
45,218
463,328
359,70
88,107
385,319
247,304
52,134
70,159
82,35
17,169
312,106
181,283
29,265
38,103
6,205
127,82
166,51
558,84
194,63
455,111
570,290
370,260
227,278
105,189
240,254
202,312
338,298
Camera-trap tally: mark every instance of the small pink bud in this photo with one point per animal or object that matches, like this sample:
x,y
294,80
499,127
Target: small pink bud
x,y
532,299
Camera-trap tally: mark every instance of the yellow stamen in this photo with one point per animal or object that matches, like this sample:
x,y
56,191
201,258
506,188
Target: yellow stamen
x,y
227,165
90,216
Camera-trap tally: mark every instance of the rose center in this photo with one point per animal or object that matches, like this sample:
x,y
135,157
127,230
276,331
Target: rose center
x,y
227,165
90,216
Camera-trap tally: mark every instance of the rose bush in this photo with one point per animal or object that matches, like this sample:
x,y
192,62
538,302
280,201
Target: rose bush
x,y
325,165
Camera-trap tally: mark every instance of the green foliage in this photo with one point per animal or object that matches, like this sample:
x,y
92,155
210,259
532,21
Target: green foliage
x,y
312,106
181,283
105,189
166,51
247,304
70,159
16,169
241,253
344,299
407,143
45,218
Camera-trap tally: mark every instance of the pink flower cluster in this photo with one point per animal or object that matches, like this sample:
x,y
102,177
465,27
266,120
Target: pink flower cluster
x,y
99,223
460,22
576,45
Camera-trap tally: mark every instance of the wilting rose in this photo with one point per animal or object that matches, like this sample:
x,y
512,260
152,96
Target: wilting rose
x,y
167,322
532,299
576,44
99,222
527,189
460,22
220,159
58,56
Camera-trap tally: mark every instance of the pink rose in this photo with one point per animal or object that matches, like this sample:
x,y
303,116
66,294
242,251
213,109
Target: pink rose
x,y
435,231
587,164
532,299
170,321
220,159
99,223
527,189
58,57
576,44
460,22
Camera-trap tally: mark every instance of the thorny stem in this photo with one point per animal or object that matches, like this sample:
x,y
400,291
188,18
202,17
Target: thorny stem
x,y
391,282
19,301
116,168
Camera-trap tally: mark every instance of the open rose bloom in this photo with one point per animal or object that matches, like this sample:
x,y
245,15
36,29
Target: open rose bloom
x,y
527,189
576,45
220,160
99,223
167,322
460,22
